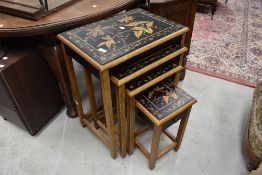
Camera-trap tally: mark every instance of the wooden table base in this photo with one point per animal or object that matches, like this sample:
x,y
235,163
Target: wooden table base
x,y
90,119
53,54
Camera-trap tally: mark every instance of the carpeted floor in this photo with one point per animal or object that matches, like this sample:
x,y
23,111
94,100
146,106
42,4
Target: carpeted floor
x,y
230,45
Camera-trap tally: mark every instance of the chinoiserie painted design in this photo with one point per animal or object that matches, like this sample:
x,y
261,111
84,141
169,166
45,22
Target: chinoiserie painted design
x,y
151,75
163,99
142,61
109,39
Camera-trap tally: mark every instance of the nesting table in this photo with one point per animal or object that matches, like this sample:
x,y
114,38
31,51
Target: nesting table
x,y
103,48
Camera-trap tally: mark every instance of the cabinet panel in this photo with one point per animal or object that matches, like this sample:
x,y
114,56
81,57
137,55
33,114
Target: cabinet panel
x,y
180,11
30,93
6,98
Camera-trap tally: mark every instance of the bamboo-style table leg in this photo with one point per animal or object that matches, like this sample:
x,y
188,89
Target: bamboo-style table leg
x,y
120,99
181,130
131,124
108,109
154,146
91,95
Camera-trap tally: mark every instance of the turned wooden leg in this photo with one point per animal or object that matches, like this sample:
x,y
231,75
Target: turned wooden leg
x,y
131,124
107,101
73,82
120,101
51,50
154,146
181,130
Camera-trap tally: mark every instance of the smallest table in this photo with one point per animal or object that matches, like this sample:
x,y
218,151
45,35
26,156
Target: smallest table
x,y
163,105
101,47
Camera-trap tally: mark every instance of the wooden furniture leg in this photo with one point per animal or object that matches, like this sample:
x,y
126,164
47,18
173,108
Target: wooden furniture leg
x,y
91,95
214,9
183,58
105,85
52,52
74,86
120,98
181,130
108,109
131,124
178,74
146,102
154,146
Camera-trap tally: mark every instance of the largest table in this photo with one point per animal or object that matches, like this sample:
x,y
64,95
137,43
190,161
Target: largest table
x,y
46,29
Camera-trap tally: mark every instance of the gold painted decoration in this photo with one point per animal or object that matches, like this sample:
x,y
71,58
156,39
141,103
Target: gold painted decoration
x,y
168,95
127,19
157,89
167,98
143,60
172,94
114,37
140,27
98,30
109,41
153,74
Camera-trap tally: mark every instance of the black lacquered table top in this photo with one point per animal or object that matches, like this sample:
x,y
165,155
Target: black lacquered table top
x,y
163,99
112,38
124,70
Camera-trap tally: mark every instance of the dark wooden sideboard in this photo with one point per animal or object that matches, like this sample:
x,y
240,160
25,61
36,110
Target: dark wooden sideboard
x,y
29,92
180,11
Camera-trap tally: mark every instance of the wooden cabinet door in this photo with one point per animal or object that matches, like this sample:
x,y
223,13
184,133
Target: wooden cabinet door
x,y
180,11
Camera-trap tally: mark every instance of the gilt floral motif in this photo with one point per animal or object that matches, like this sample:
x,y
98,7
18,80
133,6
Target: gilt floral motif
x,y
141,61
98,30
114,37
127,19
108,41
140,81
163,99
166,94
140,27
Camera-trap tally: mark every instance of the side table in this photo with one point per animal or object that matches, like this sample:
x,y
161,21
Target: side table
x,y
105,44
